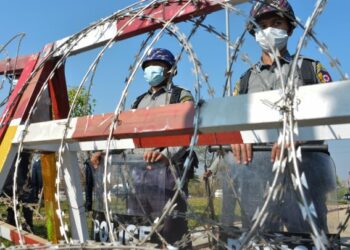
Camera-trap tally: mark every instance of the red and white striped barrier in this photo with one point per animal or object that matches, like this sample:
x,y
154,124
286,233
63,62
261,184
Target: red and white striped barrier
x,y
322,114
10,233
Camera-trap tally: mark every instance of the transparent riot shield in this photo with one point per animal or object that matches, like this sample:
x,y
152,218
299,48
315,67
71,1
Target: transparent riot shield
x,y
138,191
245,192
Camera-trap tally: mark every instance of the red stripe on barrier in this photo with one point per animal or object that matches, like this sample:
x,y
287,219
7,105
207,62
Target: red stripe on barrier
x,y
174,119
28,239
164,12
15,96
170,125
185,140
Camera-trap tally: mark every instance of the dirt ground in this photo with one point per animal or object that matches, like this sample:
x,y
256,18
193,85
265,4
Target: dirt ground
x,y
337,216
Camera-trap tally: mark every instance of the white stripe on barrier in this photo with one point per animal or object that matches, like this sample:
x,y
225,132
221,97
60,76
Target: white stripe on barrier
x,y
5,231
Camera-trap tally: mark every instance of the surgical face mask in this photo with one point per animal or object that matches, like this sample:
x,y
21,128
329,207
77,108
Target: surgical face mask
x,y
277,38
154,75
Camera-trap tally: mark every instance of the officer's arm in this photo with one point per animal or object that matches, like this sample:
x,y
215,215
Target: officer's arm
x,y
243,153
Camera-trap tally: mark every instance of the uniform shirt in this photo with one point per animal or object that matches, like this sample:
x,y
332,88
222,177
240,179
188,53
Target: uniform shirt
x,y
265,77
159,98
162,97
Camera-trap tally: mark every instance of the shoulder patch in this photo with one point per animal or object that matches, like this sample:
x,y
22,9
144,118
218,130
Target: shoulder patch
x,y
236,88
322,74
186,99
180,94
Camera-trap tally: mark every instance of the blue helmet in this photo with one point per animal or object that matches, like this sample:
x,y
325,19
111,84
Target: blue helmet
x,y
159,54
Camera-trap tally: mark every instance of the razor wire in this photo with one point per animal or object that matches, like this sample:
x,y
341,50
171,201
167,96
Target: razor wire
x,y
46,81
323,48
70,43
32,75
128,78
334,64
319,238
182,179
83,81
286,136
6,74
92,66
60,48
172,31
107,153
117,110
260,215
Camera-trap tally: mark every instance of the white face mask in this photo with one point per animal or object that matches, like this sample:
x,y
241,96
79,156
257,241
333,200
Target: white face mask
x,y
277,38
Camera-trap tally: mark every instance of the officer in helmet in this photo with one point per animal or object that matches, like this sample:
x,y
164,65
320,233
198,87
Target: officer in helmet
x,y
159,68
276,21
151,178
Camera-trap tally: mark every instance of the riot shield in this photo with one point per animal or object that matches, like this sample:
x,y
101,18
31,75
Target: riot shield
x,y
245,189
138,193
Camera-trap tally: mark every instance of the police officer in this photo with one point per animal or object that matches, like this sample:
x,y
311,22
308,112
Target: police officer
x,y
276,20
153,181
94,182
25,192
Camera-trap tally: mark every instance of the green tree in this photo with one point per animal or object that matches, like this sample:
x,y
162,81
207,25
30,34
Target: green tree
x,y
84,104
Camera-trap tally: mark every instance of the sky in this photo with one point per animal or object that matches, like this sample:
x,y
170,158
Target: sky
x,y
44,22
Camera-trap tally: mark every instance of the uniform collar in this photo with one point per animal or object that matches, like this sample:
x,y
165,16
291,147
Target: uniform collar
x,y
162,90
286,58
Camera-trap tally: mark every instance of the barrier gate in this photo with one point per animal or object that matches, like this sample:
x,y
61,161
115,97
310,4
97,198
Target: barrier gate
x,y
37,118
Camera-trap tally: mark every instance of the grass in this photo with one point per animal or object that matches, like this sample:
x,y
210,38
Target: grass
x,y
39,222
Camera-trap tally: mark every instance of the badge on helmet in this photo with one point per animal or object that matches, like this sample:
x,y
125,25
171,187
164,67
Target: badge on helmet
x,y
271,6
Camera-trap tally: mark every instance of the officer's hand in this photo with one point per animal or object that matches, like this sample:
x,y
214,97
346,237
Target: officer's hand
x,y
243,153
276,150
95,159
207,174
155,156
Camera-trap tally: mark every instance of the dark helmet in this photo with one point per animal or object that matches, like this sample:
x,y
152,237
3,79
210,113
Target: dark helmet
x,y
272,6
159,54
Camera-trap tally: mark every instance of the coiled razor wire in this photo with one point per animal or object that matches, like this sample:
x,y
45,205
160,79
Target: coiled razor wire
x,y
172,32
92,66
107,155
68,46
117,112
57,182
319,238
10,75
286,104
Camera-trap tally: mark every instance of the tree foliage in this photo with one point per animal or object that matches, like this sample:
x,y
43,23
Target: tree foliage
x,y
84,104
